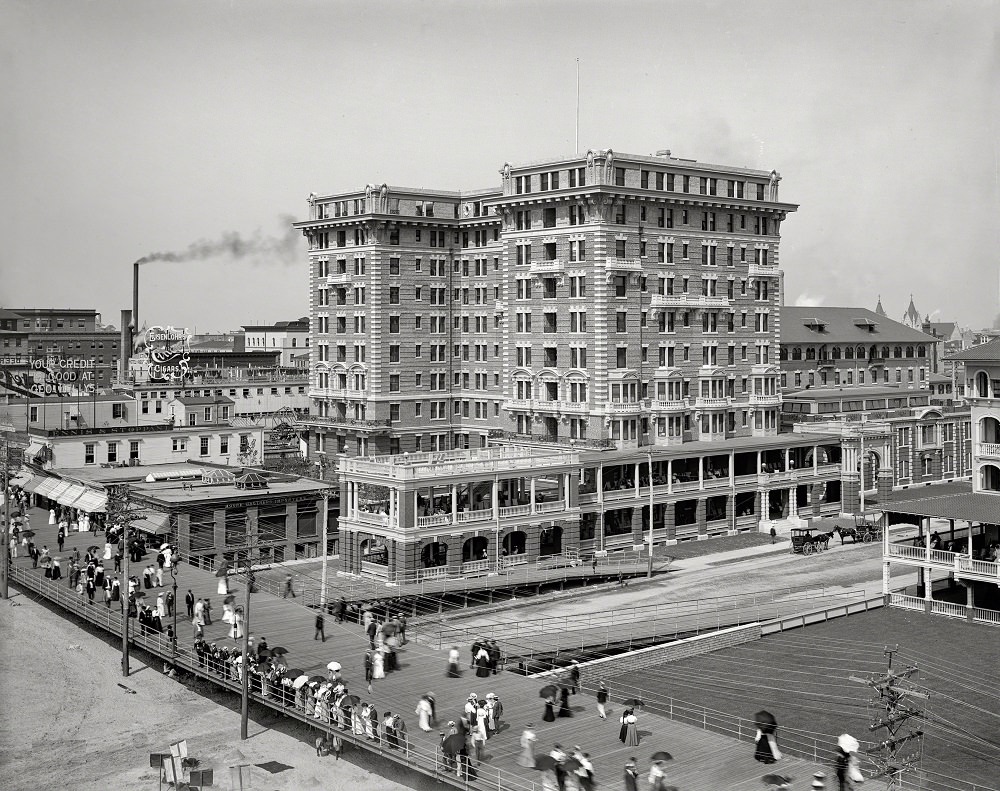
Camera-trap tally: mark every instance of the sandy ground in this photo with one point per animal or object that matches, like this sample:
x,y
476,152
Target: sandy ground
x,y
85,732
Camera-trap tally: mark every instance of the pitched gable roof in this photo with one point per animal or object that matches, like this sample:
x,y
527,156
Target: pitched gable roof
x,y
984,352
844,325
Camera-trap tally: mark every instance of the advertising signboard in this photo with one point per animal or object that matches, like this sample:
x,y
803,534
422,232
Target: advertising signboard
x,y
162,354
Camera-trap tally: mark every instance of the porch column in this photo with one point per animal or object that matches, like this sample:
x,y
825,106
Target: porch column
x,y
636,474
701,473
495,499
392,507
670,523
670,476
732,469
701,518
921,570
599,529
531,498
815,459
455,546
637,533
793,502
970,588
454,503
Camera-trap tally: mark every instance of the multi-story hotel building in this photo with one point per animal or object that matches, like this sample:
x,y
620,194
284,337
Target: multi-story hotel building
x,y
602,299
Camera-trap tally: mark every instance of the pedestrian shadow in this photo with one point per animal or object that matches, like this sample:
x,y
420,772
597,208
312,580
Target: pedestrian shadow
x,y
643,734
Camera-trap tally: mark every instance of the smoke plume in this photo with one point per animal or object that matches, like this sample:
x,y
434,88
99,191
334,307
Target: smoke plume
x,y
233,245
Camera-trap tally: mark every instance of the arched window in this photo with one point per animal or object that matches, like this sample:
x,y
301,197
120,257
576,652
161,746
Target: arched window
x,y
835,353
860,353
921,351
848,352
783,353
982,385
897,351
885,352
810,352
909,351
797,353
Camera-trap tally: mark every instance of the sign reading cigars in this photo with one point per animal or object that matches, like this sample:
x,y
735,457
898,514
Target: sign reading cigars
x,y
162,354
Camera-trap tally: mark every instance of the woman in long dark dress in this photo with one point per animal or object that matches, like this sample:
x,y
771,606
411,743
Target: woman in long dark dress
x,y
482,663
550,714
623,730
564,709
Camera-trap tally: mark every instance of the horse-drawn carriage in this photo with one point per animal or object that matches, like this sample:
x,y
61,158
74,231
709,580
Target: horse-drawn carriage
x,y
805,543
867,528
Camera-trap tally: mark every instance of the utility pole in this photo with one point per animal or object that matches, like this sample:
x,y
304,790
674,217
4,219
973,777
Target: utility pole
x,y
889,709
122,513
5,565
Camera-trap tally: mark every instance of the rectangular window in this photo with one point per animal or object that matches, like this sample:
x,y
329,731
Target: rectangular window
x,y
112,452
203,450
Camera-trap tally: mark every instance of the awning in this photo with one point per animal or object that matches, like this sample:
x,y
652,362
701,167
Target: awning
x,y
60,488
69,495
155,524
33,449
47,486
21,479
33,484
91,501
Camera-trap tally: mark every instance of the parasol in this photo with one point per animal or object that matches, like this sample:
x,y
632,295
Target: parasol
x,y
264,653
545,763
633,703
223,570
765,721
334,666
27,534
295,673
454,744
229,599
140,594
571,765
848,743
90,549
353,700
279,651
238,658
165,546
317,679
662,755
776,780
548,691
300,682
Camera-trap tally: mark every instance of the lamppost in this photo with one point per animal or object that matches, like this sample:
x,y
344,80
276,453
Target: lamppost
x,y
649,566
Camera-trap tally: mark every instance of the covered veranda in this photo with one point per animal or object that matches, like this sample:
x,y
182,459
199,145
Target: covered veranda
x,y
957,536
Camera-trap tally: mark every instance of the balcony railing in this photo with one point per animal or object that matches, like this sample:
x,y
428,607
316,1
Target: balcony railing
x,y
991,449
550,507
623,408
982,568
760,270
475,566
688,301
711,403
515,510
340,278
327,392
518,403
623,264
433,519
435,572
670,406
553,266
343,422
480,515
369,518
765,400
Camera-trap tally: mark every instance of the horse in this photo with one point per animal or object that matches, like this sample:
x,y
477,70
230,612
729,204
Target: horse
x,y
847,531
823,539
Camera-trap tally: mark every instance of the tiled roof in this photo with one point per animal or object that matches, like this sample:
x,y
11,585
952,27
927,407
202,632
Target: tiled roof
x,y
984,352
839,327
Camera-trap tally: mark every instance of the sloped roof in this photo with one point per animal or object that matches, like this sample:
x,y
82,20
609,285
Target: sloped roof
x,y
943,329
912,314
840,327
204,400
989,351
879,310
969,506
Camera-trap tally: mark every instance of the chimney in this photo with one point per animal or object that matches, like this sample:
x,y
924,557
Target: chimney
x,y
663,152
125,345
135,298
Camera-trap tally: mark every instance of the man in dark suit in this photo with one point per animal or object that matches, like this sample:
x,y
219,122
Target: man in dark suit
x,y
189,601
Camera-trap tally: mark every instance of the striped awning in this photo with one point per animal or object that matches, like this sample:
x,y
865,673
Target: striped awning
x,y
60,488
47,485
67,496
91,501
153,523
33,449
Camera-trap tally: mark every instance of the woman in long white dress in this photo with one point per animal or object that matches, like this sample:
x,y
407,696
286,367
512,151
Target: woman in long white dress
x,y
378,664
527,756
161,606
223,586
423,712
52,516
228,614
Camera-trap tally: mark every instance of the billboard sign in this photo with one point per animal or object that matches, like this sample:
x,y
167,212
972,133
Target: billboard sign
x,y
50,376
162,354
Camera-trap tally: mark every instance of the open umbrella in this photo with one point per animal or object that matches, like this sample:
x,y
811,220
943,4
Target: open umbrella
x,y
264,653
548,691
354,700
662,755
300,682
633,703
140,594
295,673
164,546
27,534
765,721
279,651
90,549
776,780
229,599
334,666
454,744
223,570
545,763
316,679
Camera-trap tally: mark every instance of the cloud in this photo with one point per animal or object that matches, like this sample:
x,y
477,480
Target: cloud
x,y
806,300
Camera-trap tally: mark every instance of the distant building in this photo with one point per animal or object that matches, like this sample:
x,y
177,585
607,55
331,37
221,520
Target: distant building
x,y
288,337
911,317
61,350
834,346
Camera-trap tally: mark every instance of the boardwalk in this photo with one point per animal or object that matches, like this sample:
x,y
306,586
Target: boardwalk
x,y
704,759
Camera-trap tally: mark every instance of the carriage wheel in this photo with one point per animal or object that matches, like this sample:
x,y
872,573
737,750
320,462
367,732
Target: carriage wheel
x,y
867,538
808,549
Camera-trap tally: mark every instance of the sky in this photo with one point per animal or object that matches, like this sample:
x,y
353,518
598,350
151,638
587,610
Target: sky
x,y
134,127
